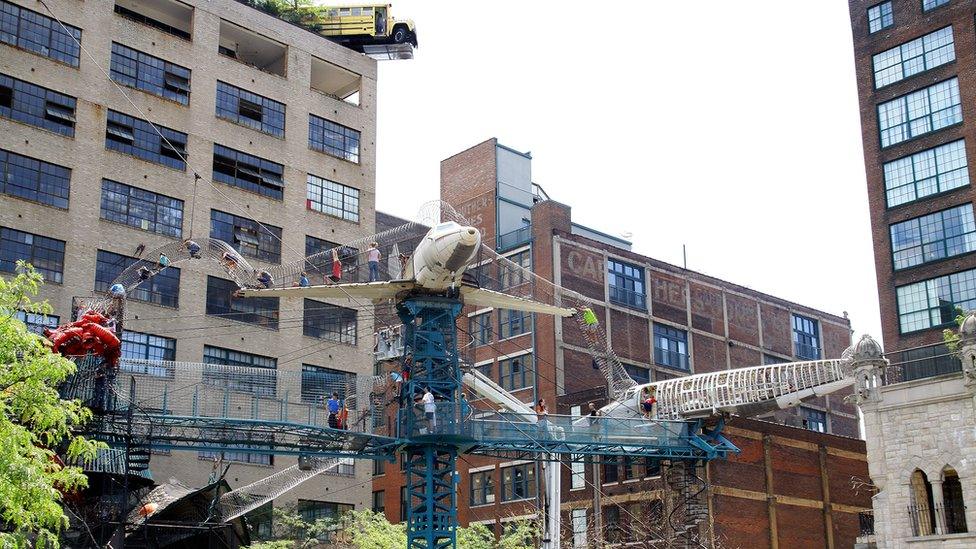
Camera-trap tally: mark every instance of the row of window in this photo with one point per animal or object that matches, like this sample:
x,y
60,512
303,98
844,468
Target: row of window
x,y
881,16
518,482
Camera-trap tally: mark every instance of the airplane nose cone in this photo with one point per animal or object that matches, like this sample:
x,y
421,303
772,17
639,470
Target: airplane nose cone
x,y
470,236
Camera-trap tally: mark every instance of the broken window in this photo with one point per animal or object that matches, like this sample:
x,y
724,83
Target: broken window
x,y
247,236
248,172
250,109
151,74
40,34
169,16
335,81
37,106
130,135
333,139
253,49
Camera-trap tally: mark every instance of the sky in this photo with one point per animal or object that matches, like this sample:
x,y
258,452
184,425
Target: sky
x,y
729,127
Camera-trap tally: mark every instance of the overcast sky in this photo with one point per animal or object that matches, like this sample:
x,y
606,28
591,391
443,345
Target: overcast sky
x,y
730,127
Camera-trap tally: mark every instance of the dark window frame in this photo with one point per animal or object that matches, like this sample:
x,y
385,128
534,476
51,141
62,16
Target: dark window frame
x,y
342,201
947,309
881,17
483,492
334,139
35,180
915,230
515,488
221,302
248,172
675,354
153,75
627,284
247,236
512,379
330,322
130,202
260,385
513,323
158,290
136,137
942,158
319,382
38,106
806,337
54,44
230,104
44,252
931,116
479,328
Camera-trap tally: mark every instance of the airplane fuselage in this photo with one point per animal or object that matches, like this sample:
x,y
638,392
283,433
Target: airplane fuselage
x,y
442,256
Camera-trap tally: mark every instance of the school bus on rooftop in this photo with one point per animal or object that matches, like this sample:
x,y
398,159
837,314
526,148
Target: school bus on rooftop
x,y
364,24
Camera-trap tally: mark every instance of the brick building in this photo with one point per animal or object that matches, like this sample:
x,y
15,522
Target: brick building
x,y
276,116
662,321
914,61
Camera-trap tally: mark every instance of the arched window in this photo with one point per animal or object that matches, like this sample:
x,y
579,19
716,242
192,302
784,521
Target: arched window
x,y
922,511
955,509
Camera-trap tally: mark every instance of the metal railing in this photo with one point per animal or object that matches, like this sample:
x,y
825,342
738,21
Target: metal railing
x,y
865,521
929,520
671,359
925,362
806,352
514,238
628,298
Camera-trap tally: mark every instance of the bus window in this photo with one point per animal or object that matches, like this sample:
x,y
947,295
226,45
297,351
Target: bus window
x,y
343,12
357,11
333,13
367,11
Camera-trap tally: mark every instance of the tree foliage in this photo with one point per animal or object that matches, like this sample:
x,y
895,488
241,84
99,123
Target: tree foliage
x,y
34,421
369,530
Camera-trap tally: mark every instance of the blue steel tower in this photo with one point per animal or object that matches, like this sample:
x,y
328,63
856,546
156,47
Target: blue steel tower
x,y
432,441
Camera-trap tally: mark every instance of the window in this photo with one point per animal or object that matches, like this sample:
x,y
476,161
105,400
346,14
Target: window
x,y
925,173
321,264
953,502
626,284
611,469
880,17
45,254
670,347
638,373
652,467
250,109
33,179
935,302
311,510
250,173
129,135
404,503
247,236
479,327
932,4
579,528
512,323
518,482
162,289
253,49
178,17
632,467
239,456
140,346
922,508
319,382
482,488
331,322
933,237
157,76
379,467
37,322
515,373
333,139
806,338
261,519
379,505
37,106
919,113
514,275
38,33
142,209
262,311
332,198
254,374
815,420
913,57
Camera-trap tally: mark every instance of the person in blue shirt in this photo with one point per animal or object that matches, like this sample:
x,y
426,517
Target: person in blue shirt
x,y
333,405
303,280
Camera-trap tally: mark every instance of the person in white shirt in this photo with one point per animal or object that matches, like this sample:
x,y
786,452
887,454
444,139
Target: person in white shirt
x,y
430,410
373,257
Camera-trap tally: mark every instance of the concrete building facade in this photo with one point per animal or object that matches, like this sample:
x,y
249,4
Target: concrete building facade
x,y
280,120
662,321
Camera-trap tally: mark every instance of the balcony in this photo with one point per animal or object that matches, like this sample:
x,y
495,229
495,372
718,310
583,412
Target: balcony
x,y
628,298
927,520
925,362
671,359
514,239
806,352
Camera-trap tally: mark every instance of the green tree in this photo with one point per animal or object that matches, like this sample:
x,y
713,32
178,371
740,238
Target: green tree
x,y
475,536
34,420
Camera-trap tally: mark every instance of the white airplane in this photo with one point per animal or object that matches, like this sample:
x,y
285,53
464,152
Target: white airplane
x,y
436,268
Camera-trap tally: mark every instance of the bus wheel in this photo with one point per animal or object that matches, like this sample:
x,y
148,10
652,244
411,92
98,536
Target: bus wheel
x,y
400,35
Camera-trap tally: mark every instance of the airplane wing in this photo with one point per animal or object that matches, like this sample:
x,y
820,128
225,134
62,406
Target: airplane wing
x,y
366,290
490,298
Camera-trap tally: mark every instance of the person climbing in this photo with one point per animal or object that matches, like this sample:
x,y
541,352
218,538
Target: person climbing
x,y
465,408
403,258
343,419
144,273
430,410
589,318
336,267
373,257
163,261
594,415
407,364
542,414
648,401
264,277
333,407
117,290
303,280
192,248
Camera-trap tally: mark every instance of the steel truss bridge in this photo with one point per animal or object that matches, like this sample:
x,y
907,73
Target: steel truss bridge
x,y
207,407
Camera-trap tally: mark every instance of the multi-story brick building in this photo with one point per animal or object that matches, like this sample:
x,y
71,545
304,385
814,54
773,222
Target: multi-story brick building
x,y
914,61
281,120
662,321
916,90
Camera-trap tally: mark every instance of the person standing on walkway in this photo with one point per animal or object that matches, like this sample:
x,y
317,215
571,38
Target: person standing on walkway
x,y
333,406
430,410
373,257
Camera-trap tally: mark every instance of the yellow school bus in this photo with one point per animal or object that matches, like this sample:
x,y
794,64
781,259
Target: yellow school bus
x,y
365,24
